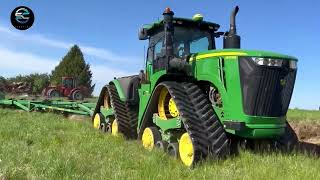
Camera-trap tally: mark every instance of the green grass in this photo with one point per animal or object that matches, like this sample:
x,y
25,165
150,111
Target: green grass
x,y
49,146
303,115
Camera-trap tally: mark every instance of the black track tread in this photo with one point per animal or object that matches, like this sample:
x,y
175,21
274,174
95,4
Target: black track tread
x,y
100,101
288,141
126,114
219,146
206,131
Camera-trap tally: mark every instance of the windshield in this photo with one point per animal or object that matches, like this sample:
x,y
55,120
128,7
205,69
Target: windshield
x,y
190,40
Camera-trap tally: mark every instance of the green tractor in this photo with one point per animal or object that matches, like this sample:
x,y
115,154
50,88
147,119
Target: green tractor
x,y
195,101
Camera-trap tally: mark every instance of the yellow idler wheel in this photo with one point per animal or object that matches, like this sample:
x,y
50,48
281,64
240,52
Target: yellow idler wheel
x,y
97,121
115,128
166,106
186,150
150,137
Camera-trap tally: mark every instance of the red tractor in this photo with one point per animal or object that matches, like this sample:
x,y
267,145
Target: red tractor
x,y
67,89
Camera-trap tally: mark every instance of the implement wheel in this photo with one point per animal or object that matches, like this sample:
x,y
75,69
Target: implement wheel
x,y
150,136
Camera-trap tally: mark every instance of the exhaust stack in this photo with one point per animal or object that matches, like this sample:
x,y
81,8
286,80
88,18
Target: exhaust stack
x,y
169,33
231,39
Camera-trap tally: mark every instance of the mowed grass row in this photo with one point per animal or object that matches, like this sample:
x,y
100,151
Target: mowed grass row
x,y
49,146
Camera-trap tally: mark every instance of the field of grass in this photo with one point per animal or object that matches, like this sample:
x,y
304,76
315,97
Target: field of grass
x,y
49,146
298,115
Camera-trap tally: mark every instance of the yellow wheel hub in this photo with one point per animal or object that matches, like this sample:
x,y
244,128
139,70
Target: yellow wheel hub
x,y
173,108
186,149
166,106
148,139
96,121
115,128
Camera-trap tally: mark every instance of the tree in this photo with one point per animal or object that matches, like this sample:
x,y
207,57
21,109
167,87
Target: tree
x,y
73,65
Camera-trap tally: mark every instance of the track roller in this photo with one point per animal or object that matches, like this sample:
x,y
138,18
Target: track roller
x,y
173,150
162,145
150,136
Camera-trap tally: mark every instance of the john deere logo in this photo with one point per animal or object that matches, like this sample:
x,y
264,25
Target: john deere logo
x,y
22,18
282,82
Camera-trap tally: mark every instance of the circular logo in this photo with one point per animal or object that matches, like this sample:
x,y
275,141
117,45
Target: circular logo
x,y
22,18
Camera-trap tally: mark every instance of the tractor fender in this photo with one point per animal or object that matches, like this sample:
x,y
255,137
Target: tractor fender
x,y
127,88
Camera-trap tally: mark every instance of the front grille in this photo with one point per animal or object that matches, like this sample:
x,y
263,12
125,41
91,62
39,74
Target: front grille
x,y
266,91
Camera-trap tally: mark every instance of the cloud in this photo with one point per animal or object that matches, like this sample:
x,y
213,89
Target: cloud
x,y
100,53
24,62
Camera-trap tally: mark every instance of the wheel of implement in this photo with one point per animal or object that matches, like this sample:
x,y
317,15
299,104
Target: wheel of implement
x,y
167,108
173,150
162,145
115,128
186,150
150,136
97,120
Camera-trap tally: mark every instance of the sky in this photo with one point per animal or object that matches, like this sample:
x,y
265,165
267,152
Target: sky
x,y
106,32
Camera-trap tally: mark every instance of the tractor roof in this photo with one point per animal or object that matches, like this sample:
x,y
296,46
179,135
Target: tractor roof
x,y
205,25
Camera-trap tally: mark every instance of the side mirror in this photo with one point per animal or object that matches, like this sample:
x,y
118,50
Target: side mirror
x,y
143,34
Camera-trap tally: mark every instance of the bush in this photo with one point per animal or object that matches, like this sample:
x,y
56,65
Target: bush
x,y
37,81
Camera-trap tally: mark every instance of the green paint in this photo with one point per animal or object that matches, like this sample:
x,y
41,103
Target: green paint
x,y
207,68
145,92
174,123
119,90
106,112
63,106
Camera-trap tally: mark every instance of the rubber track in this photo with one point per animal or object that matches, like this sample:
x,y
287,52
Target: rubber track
x,y
207,133
125,114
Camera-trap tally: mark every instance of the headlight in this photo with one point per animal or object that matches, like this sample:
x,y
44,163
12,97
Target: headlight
x,y
273,62
267,61
293,64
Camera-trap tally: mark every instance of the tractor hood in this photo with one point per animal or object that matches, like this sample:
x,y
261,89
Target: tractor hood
x,y
239,52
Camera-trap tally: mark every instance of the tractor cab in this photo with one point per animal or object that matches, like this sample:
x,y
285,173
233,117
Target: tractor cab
x,y
68,82
175,37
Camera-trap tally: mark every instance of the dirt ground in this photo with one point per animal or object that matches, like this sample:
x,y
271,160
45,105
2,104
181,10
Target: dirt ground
x,y
307,131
